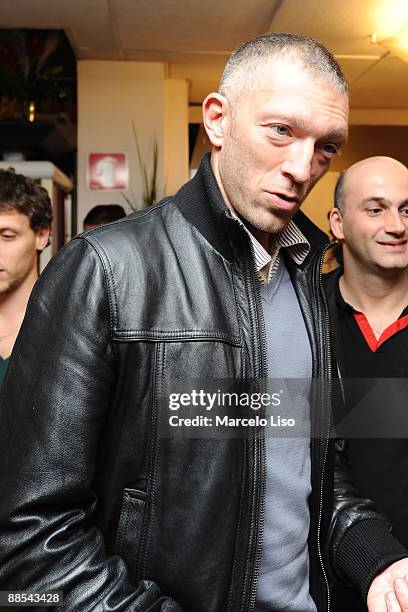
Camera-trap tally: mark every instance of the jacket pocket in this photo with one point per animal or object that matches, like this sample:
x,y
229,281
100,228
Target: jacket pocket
x,y
130,527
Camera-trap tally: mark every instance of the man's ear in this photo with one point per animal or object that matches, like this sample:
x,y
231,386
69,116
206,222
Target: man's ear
x,y
216,114
42,237
336,223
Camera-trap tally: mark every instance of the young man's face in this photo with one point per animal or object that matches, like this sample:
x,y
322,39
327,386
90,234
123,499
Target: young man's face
x,y
373,228
279,141
18,249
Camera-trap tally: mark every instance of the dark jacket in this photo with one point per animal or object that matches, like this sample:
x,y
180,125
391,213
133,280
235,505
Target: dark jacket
x,y
349,598
93,499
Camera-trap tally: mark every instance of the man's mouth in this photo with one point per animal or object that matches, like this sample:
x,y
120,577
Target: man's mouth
x,y
394,245
289,197
282,200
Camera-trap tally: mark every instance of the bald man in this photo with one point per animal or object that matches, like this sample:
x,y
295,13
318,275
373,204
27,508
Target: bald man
x,y
368,300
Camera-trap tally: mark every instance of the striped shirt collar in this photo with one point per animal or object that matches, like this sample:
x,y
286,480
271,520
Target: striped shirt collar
x,y
291,238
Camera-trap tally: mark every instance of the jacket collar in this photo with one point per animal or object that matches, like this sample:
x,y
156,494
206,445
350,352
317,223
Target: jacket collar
x,y
202,203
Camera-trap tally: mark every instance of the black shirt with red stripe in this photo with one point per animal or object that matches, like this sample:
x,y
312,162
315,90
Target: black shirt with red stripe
x,y
379,466
361,354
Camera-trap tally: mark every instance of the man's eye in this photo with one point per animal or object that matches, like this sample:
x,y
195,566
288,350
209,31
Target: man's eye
x,y
330,149
404,212
374,211
281,130
8,236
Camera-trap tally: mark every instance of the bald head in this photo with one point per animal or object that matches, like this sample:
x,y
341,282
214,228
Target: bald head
x,y
378,161
371,219
370,177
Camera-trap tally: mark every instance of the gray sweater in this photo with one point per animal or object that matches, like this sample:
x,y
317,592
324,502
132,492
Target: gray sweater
x,y
284,573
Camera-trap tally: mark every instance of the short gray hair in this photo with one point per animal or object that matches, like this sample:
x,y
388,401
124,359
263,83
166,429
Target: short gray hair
x,y
242,68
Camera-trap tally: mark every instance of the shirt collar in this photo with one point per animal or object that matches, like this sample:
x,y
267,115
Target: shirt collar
x,y
290,237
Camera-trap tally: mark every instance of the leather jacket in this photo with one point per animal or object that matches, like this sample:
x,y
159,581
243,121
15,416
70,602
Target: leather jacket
x,y
94,502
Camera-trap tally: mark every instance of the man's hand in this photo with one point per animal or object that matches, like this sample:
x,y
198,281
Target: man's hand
x,y
389,590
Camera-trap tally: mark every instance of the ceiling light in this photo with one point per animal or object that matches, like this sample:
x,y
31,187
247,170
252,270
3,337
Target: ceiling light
x,y
398,43
388,17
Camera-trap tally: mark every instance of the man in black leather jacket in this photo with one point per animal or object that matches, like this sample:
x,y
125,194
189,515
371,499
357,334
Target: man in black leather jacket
x,y
95,503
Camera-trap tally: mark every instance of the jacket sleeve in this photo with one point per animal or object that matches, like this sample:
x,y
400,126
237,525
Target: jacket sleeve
x,y
53,403
360,543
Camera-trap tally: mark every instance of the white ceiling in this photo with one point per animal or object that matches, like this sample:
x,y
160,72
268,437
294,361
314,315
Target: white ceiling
x,y
194,38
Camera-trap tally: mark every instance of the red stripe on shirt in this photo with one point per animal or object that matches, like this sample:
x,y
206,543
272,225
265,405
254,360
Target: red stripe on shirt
x,y
369,335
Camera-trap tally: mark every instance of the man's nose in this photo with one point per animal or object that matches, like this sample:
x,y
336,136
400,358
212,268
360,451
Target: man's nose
x,y
298,164
395,223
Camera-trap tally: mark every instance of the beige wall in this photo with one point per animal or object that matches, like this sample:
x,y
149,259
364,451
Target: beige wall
x,y
320,200
176,162
367,140
111,95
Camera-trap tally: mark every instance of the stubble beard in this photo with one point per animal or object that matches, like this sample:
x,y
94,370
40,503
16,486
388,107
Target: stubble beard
x,y
12,282
8,286
267,220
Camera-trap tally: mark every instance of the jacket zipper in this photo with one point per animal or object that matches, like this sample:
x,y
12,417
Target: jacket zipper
x,y
326,444
258,495
259,441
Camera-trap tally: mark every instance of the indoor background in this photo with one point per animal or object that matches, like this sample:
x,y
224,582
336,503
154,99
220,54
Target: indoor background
x,y
142,68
